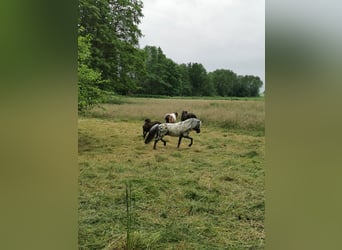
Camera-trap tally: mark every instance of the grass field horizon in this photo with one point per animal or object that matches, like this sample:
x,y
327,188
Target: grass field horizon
x,y
208,196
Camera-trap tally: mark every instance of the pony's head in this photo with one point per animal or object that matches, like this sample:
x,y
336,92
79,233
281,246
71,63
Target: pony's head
x,y
168,118
196,125
171,117
147,120
186,115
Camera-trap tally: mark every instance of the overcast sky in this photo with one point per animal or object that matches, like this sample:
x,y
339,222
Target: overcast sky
x,y
220,34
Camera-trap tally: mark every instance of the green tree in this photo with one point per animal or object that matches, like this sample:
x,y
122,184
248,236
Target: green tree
x,y
153,81
255,84
162,74
89,79
184,80
200,84
247,86
173,78
113,24
223,81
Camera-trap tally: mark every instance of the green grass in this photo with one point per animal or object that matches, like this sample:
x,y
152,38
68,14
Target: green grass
x,y
208,196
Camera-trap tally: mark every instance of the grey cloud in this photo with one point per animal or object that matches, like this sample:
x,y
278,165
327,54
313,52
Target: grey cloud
x,y
217,33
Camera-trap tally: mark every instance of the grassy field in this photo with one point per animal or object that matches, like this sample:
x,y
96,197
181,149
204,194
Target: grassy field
x,y
208,196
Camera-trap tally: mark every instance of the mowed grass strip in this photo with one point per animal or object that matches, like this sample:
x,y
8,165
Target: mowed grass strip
x,y
208,196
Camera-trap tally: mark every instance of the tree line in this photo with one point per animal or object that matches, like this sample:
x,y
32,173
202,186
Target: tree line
x,y
111,61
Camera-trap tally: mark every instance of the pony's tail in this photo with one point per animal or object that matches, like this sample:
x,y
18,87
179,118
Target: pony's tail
x,y
151,133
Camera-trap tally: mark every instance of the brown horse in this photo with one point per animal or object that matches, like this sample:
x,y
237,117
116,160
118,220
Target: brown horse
x,y
186,115
148,125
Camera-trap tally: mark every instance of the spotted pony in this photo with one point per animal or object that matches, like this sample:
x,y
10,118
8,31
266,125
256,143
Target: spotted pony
x,y
180,129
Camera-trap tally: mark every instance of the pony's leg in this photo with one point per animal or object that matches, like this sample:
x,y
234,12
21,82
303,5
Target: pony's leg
x,y
163,141
179,140
155,143
186,136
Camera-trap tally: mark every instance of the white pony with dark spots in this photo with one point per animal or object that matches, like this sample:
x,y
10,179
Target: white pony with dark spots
x,y
180,129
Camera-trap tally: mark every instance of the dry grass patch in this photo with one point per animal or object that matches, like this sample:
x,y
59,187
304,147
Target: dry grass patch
x,y
223,113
